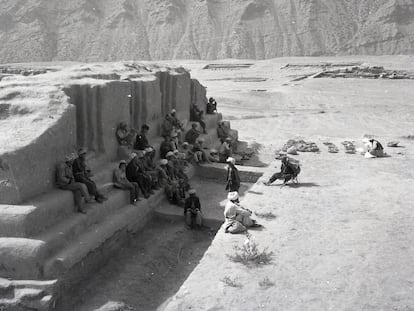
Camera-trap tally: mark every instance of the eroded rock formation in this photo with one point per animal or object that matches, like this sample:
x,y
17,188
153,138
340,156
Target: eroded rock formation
x,y
106,30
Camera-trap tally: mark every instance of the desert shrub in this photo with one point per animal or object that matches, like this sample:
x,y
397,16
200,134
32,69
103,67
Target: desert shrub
x,y
231,282
266,283
250,254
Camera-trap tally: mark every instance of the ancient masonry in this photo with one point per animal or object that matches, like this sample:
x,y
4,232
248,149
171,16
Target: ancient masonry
x,y
45,247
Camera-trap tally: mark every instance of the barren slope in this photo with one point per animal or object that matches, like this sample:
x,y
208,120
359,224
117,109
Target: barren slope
x,y
91,30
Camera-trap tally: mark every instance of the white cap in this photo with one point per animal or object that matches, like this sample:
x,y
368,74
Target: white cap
x,y
132,156
213,151
173,111
163,162
231,160
192,191
148,150
232,196
169,154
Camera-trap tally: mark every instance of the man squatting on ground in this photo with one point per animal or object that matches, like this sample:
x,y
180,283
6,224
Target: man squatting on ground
x,y
288,171
192,210
237,217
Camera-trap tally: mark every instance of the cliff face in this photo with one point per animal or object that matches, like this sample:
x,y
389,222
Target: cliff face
x,y
105,30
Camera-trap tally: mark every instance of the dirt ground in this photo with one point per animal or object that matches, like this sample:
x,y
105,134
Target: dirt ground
x,y
147,271
342,239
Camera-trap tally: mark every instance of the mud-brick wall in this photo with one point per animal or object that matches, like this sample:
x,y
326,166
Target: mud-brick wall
x,y
31,170
198,95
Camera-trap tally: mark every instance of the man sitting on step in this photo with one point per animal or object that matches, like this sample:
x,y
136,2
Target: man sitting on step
x,y
66,181
121,182
192,210
82,174
192,134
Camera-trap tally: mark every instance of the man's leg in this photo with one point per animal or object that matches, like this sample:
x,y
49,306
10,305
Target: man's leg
x,y
199,219
136,190
188,219
77,194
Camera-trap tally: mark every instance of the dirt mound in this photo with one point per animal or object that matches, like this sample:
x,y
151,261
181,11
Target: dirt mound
x,y
85,30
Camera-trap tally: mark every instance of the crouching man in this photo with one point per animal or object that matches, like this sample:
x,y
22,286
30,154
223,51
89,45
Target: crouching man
x,y
237,217
192,210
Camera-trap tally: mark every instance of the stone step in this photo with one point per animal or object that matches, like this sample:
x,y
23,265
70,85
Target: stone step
x,y
129,218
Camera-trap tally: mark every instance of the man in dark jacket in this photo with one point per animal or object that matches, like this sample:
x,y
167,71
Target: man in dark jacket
x,y
66,181
135,172
192,210
288,171
233,178
82,174
192,134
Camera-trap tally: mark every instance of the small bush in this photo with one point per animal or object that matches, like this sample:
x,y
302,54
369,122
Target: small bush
x,y
268,216
231,282
249,254
266,283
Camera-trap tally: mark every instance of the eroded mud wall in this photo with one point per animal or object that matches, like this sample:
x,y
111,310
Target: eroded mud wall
x,y
198,95
31,170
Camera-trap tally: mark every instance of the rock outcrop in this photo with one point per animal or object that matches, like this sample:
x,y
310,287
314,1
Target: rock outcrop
x,y
107,30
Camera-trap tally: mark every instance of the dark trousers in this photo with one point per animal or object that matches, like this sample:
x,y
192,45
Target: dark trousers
x,y
280,175
132,187
90,184
78,191
144,182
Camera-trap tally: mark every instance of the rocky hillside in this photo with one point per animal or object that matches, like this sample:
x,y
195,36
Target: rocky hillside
x,y
104,30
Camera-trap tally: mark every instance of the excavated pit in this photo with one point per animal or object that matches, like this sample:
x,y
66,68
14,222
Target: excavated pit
x,y
154,263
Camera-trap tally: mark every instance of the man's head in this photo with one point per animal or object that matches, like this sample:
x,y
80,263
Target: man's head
x,y
185,145
211,99
163,162
213,152
192,192
141,154
122,165
69,159
194,126
82,153
148,151
233,196
173,112
231,160
123,125
144,128
200,140
132,156
169,155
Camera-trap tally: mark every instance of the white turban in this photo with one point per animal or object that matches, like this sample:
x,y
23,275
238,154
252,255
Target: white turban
x,y
232,196
231,160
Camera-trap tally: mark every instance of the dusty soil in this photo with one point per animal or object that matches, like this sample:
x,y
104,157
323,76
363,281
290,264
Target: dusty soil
x,y
342,239
147,271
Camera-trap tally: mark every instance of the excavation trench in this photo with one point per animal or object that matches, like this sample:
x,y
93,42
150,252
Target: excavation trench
x,y
154,263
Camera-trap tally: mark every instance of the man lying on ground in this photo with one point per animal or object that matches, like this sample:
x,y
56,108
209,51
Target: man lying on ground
x,y
66,181
237,217
82,174
121,182
192,210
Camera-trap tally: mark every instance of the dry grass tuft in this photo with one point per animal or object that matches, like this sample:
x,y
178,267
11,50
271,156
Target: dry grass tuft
x,y
266,283
250,255
231,282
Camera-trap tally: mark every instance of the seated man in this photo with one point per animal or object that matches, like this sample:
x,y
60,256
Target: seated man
x,y
125,137
66,181
150,168
166,126
170,186
192,134
121,182
192,210
237,217
135,173
233,178
213,156
141,141
211,106
225,150
289,170
187,152
196,115
165,147
177,124
375,148
82,174
200,156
